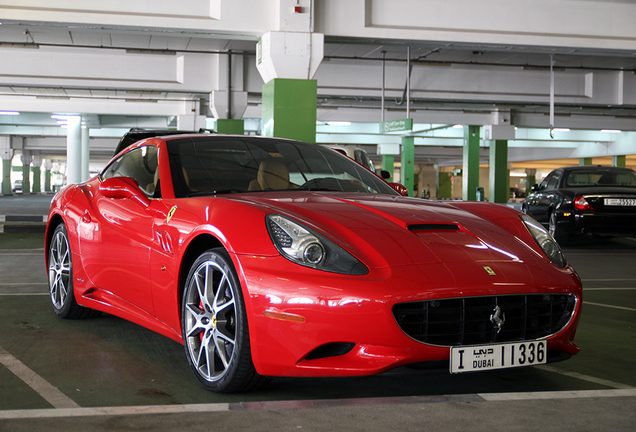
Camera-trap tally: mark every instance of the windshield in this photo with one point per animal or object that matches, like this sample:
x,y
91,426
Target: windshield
x,y
602,177
216,164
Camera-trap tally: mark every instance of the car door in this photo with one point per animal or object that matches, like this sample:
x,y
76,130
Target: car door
x,y
120,262
545,198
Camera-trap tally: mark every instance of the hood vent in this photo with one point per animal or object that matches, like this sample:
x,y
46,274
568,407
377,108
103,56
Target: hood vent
x,y
433,227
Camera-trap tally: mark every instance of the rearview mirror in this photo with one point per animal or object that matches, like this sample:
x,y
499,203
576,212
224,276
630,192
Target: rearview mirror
x,y
123,188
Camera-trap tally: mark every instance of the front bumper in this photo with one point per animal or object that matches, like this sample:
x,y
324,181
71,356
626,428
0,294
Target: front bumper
x,y
294,312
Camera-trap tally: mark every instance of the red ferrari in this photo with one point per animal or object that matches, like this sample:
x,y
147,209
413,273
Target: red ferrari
x,y
270,257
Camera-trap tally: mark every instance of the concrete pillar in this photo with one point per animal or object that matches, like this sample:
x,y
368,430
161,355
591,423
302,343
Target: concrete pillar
x,y
6,154
26,172
85,153
37,174
388,162
407,174
74,150
289,109
498,180
585,161
470,171
230,126
287,62
48,164
619,161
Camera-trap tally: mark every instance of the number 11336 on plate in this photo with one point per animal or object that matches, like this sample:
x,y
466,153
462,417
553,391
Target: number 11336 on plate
x,y
472,358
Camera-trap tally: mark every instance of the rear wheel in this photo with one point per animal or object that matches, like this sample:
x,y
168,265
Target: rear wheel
x,y
557,231
214,326
61,278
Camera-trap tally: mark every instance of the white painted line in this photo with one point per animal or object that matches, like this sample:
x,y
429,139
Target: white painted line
x,y
574,394
52,395
607,280
222,407
609,306
584,377
113,411
23,294
609,289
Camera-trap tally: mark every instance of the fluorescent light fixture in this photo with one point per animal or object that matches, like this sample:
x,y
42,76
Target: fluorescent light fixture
x,y
339,123
610,131
14,113
458,127
62,122
561,130
63,116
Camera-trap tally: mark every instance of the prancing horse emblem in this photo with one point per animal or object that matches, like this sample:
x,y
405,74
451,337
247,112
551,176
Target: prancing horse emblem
x,y
498,318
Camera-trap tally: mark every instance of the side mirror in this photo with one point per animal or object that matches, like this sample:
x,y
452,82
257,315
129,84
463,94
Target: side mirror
x,y
534,188
123,188
402,190
385,174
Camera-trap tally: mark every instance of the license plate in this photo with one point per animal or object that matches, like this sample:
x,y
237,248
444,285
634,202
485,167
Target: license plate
x,y
628,202
473,358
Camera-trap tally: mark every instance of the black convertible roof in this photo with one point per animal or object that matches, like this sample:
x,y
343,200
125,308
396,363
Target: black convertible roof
x,y
136,134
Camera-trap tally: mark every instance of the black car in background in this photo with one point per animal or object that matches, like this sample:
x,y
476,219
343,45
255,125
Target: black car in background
x,y
585,200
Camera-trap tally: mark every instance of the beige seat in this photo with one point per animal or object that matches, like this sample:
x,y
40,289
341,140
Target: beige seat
x,y
272,174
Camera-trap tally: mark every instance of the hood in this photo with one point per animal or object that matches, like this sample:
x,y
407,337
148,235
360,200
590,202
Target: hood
x,y
386,230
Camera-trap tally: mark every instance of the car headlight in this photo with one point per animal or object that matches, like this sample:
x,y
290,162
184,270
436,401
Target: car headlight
x,y
545,241
305,247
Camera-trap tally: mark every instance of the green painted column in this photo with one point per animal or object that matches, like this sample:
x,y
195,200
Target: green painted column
x,y
388,162
498,179
289,109
230,126
37,179
47,180
470,171
619,161
444,185
407,177
585,161
6,177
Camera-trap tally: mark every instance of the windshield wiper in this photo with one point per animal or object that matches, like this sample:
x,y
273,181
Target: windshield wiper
x,y
214,192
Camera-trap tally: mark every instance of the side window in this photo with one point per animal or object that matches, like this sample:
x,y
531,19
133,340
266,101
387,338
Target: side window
x,y
544,183
553,183
140,164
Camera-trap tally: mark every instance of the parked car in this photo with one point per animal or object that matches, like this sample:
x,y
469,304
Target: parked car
x,y
17,186
270,257
585,200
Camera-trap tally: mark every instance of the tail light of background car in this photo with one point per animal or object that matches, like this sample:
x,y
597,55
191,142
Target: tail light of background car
x,y
580,203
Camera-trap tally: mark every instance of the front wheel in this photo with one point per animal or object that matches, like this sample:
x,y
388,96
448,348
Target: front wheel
x,y
557,231
214,326
61,278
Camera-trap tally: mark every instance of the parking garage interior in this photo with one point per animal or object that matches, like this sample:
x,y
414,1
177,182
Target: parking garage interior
x,y
496,94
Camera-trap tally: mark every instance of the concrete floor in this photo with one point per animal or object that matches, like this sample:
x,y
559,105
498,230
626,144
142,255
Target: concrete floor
x,y
107,374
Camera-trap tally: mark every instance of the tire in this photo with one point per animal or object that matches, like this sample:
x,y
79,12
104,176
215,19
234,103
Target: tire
x,y
61,291
214,326
557,231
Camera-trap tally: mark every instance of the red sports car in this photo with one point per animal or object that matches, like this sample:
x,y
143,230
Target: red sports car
x,y
271,257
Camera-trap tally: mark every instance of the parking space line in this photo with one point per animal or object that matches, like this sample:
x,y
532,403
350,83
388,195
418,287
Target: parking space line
x,y
51,394
574,394
305,404
609,306
584,377
609,289
24,294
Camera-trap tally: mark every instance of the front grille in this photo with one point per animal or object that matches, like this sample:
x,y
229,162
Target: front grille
x,y
467,320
